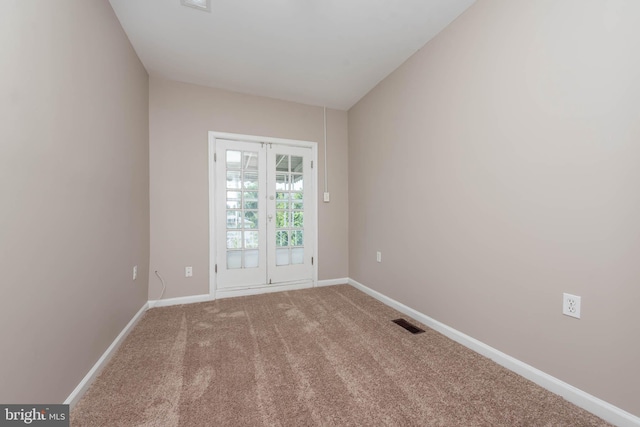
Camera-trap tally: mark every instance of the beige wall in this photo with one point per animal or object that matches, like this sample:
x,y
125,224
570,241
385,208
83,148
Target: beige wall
x,y
181,115
497,169
74,192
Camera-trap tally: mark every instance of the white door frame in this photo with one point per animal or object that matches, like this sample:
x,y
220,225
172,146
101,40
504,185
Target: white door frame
x,y
214,293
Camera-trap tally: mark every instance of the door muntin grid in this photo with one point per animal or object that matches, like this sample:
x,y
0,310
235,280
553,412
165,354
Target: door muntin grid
x,y
289,216
242,209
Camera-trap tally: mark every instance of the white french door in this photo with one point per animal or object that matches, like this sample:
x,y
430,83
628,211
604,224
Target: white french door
x,y
240,213
265,226
290,197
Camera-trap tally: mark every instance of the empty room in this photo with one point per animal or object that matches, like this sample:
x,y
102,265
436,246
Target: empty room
x,y
358,213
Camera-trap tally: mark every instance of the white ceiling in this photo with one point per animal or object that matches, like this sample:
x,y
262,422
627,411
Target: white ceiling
x,y
329,52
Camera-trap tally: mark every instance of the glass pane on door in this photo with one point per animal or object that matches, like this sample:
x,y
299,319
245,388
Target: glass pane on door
x,y
289,216
242,205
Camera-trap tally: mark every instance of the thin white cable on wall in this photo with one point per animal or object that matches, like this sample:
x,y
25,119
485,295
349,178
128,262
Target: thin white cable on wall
x,y
164,287
326,177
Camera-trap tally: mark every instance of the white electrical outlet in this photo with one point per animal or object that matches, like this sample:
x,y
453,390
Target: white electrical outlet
x,y
188,271
379,256
571,305
135,272
327,197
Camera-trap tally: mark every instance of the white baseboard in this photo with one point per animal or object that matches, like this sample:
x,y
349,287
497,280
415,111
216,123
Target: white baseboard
x,y
599,407
230,293
179,300
79,391
332,282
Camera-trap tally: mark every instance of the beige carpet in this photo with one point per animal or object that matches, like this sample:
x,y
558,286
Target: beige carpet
x,y
320,357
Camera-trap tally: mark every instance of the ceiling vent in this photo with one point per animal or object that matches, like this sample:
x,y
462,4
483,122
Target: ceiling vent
x,y
198,4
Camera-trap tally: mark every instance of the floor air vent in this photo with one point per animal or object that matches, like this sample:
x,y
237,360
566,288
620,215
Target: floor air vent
x,y
408,326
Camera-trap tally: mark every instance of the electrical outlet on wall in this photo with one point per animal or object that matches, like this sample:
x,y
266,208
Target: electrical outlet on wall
x,y
188,271
135,272
379,256
571,305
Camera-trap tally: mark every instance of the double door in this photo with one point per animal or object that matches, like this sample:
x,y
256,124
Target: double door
x,y
265,229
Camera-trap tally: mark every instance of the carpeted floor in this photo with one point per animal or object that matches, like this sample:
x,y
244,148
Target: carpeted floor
x,y
319,357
